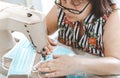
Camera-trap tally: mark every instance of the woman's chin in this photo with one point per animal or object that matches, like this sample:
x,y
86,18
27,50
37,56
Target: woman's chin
x,y
71,20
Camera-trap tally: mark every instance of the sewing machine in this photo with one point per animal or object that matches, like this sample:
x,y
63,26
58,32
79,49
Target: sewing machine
x,y
18,18
31,23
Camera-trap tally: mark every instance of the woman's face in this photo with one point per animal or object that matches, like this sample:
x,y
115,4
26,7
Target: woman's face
x,y
75,10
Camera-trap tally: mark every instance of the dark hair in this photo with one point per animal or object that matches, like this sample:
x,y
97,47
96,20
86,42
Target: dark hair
x,y
101,7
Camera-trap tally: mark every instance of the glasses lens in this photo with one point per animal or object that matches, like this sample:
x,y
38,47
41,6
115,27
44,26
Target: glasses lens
x,y
58,1
73,11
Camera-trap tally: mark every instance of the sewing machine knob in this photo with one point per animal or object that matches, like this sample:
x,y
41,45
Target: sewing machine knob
x,y
29,14
43,49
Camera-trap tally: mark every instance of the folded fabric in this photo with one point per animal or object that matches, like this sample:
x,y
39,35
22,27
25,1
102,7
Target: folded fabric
x,y
23,55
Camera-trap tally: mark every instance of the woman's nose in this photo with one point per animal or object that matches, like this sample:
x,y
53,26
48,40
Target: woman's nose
x,y
66,5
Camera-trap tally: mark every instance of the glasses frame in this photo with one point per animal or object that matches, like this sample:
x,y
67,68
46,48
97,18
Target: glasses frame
x,y
70,9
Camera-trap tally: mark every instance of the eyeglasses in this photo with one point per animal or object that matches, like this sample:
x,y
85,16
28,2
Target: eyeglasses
x,y
58,3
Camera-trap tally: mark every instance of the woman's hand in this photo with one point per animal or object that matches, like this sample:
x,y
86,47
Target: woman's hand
x,y
62,65
50,43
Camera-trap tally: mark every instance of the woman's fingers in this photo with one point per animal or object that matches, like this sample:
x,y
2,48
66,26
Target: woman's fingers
x,y
53,74
49,47
57,73
56,56
52,42
47,67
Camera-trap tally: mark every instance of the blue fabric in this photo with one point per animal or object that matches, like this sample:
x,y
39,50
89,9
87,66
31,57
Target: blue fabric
x,y
75,76
23,60
59,50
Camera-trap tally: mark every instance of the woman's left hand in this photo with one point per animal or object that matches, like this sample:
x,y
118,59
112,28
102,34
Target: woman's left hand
x,y
62,65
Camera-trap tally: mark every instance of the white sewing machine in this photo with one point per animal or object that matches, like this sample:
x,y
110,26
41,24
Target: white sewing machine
x,y
18,18
29,22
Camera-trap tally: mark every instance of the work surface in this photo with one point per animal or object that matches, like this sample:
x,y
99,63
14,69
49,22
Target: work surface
x,y
25,49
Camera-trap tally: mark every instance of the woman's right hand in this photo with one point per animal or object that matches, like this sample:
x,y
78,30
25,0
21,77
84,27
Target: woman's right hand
x,y
50,44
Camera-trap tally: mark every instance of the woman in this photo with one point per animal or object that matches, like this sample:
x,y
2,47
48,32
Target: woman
x,y
91,26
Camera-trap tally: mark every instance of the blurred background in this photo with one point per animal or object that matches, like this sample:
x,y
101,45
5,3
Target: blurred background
x,y
41,5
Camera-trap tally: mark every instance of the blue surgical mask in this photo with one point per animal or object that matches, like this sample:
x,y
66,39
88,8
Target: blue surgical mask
x,y
23,56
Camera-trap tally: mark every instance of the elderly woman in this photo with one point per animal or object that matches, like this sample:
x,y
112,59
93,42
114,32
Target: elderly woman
x,y
88,26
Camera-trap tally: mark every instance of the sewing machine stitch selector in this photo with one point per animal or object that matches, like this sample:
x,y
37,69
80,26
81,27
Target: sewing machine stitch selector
x,y
29,14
